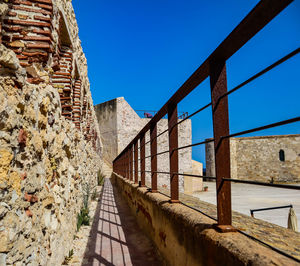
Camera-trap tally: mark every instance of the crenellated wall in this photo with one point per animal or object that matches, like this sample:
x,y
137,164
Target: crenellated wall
x,y
50,143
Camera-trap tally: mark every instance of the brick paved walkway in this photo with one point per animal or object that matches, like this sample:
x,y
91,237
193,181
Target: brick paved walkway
x,y
115,236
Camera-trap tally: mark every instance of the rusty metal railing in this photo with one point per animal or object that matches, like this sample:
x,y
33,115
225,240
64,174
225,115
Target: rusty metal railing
x,y
214,67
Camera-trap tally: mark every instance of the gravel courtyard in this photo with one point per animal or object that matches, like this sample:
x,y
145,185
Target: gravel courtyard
x,y
246,197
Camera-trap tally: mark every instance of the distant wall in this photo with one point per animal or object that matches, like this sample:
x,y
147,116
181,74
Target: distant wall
x,y
106,114
257,158
122,124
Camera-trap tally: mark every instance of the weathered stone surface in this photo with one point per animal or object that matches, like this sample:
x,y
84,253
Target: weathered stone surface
x,y
257,158
8,58
3,9
44,158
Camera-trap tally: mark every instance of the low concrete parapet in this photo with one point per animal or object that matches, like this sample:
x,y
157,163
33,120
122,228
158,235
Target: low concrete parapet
x,y
186,237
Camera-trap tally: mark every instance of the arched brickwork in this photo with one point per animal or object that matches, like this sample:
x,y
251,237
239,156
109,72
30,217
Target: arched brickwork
x,y
27,30
44,40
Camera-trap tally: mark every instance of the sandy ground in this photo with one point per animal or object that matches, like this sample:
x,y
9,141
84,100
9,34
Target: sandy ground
x,y
246,197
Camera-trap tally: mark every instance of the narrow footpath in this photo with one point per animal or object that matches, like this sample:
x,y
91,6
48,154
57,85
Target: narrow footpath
x,y
116,238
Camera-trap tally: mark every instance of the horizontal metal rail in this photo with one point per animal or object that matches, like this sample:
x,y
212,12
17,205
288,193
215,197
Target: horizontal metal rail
x,y
174,173
250,182
277,124
258,18
214,68
191,115
270,208
267,69
195,144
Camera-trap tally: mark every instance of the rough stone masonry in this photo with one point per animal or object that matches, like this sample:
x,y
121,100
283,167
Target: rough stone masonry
x,y
49,136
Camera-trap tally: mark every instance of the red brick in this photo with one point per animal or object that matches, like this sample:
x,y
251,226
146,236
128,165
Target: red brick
x,y
24,176
17,50
22,57
21,2
43,1
44,32
33,10
63,73
35,53
27,23
65,98
24,64
28,213
34,80
11,14
42,18
31,198
38,45
44,6
22,137
12,28
32,38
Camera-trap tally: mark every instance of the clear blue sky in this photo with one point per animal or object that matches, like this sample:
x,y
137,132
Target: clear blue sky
x,y
145,50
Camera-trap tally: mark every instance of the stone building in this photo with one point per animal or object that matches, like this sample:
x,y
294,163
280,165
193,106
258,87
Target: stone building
x,y
119,124
49,136
266,158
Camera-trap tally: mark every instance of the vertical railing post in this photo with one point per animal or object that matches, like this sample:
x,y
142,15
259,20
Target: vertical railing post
x,y
153,145
126,162
142,158
136,166
131,162
173,154
218,83
125,165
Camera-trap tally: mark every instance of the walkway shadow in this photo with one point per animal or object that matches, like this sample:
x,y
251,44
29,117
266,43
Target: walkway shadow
x,y
115,236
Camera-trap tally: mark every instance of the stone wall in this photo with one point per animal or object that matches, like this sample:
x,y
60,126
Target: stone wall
x,y
119,124
107,118
49,135
257,158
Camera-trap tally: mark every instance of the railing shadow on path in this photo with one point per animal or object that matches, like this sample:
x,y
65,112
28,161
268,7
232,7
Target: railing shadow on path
x,y
115,238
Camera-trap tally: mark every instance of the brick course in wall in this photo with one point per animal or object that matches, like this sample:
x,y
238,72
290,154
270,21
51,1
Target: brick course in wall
x,y
26,29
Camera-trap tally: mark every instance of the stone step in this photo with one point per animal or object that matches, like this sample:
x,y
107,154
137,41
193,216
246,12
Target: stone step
x,y
106,169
